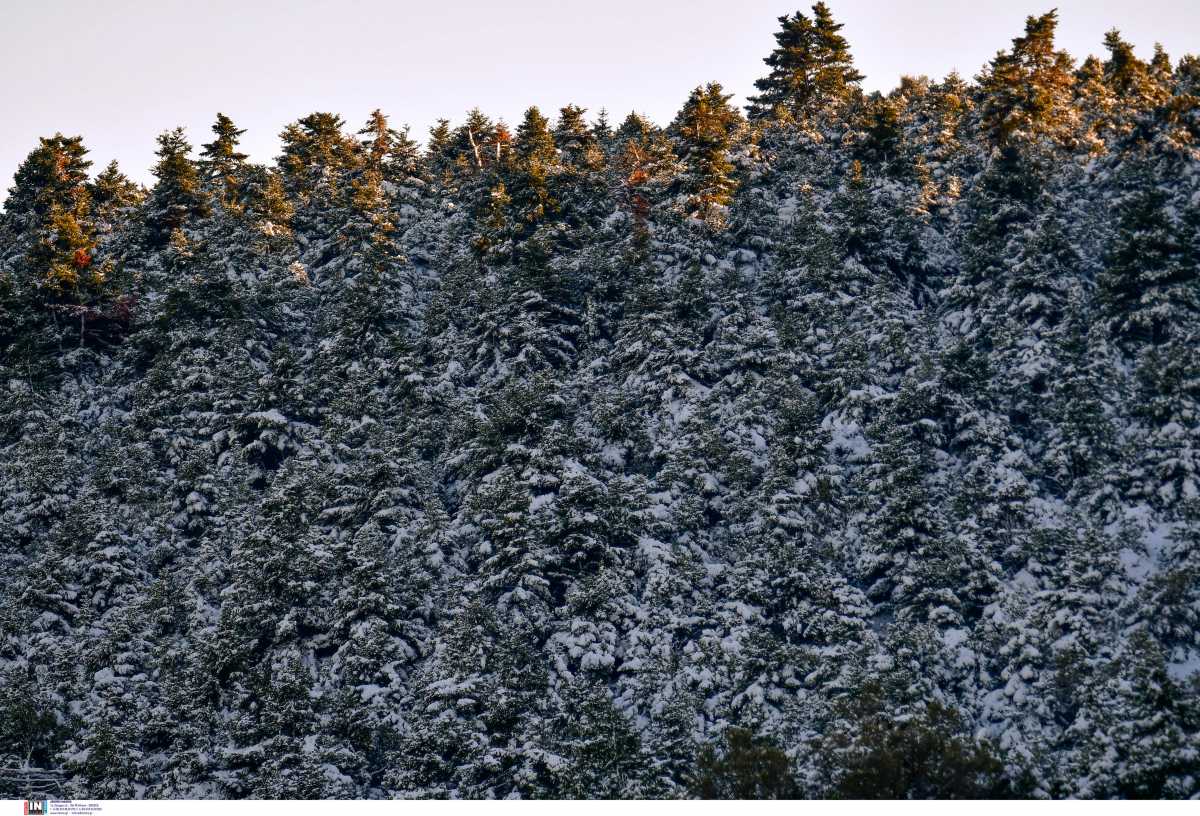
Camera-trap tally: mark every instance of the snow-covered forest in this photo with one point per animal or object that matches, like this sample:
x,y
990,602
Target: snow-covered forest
x,y
846,445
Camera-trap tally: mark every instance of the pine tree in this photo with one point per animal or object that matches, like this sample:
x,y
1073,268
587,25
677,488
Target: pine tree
x,y
706,129
1027,92
536,160
811,68
114,195
1134,83
177,198
48,214
601,129
1150,286
573,138
476,144
222,167
644,164
595,750
1097,105
439,148
315,154
580,187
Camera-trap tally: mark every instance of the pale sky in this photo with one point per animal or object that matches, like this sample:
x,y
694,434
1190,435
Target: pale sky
x,y
121,71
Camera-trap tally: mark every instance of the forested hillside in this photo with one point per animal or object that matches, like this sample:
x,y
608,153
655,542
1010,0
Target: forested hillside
x,y
845,446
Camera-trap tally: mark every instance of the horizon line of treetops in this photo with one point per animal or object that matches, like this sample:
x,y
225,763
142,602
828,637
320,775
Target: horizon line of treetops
x,y
1028,96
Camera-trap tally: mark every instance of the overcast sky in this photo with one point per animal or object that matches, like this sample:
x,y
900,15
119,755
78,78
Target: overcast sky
x,y
121,71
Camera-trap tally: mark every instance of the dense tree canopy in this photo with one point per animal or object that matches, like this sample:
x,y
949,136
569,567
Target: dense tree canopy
x,y
848,448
